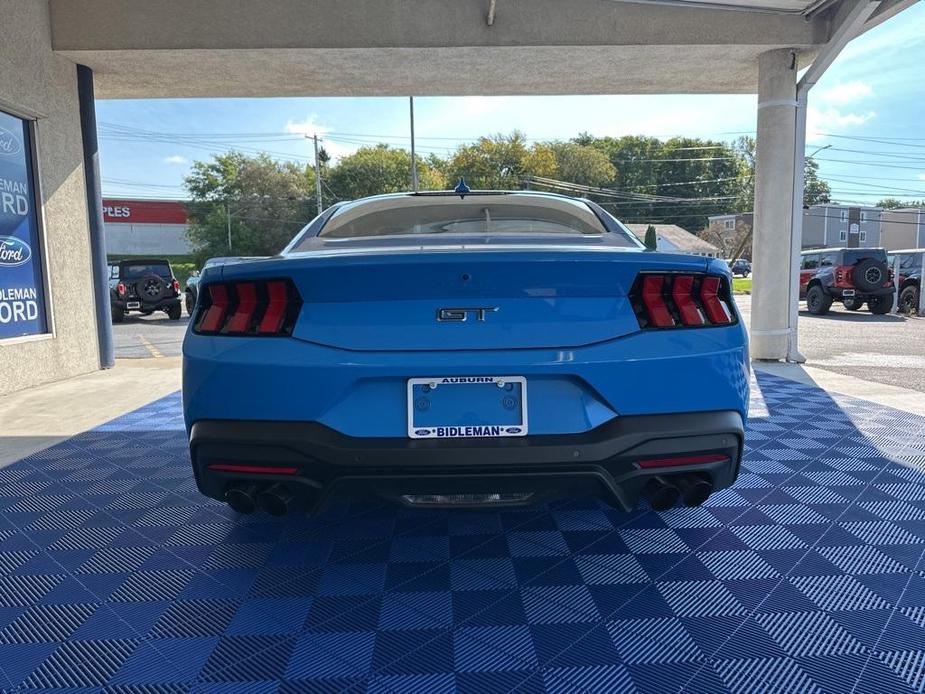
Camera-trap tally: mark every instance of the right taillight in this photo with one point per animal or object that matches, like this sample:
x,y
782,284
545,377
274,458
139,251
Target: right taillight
x,y
265,308
681,300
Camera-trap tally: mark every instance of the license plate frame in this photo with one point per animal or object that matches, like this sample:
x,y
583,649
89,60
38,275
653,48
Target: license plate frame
x,y
466,431
132,304
848,292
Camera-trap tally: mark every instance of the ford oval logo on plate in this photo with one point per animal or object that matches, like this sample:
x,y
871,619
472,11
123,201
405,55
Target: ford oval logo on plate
x,y
14,252
423,432
513,430
9,143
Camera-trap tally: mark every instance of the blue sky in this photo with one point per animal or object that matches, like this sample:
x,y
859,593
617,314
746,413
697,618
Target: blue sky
x,y
867,110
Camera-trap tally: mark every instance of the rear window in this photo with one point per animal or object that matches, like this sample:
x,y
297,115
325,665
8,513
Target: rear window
x,y
476,215
136,272
855,254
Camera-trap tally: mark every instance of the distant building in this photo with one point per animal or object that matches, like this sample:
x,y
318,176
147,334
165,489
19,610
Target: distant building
x,y
902,228
145,227
728,230
674,239
824,226
834,226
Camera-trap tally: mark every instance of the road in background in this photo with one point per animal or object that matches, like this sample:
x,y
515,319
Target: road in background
x,y
886,349
146,337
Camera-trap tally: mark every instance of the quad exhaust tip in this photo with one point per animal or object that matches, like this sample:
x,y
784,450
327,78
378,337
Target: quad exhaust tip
x,y
275,500
694,489
662,494
665,492
242,497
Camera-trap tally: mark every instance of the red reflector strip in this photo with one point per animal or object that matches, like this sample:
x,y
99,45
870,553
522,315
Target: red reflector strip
x,y
215,316
273,317
247,306
715,309
253,469
681,293
654,303
684,460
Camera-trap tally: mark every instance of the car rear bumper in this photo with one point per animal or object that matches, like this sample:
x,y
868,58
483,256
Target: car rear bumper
x,y
614,461
841,293
135,304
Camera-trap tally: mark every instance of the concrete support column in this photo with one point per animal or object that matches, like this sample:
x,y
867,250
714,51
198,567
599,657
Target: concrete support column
x,y
774,196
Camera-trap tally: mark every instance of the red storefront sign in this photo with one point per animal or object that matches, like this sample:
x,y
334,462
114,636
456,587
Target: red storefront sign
x,y
144,211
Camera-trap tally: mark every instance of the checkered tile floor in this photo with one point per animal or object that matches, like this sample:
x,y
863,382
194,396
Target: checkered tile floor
x,y
115,575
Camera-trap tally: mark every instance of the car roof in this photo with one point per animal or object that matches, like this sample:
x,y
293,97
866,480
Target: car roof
x,y
842,248
142,261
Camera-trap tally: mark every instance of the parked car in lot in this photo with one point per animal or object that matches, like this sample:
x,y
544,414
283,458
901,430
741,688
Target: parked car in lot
x,y
465,348
854,276
740,267
191,291
909,280
145,285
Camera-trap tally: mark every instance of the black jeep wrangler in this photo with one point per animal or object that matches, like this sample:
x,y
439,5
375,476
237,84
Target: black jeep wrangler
x,y
854,276
145,285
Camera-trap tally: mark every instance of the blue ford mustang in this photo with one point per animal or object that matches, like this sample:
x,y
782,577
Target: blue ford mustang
x,y
487,348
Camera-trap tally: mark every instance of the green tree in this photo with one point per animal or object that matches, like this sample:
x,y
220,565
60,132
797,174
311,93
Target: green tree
x,y
581,164
379,169
651,241
500,162
896,203
815,190
265,202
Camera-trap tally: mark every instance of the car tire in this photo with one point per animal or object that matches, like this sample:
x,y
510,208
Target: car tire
x,y
870,274
118,315
189,302
879,305
853,304
174,312
817,301
909,299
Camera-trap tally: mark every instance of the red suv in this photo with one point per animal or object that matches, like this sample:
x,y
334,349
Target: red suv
x,y
854,276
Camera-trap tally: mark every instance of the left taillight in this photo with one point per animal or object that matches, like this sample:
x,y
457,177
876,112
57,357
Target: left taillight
x,y
681,300
260,308
120,289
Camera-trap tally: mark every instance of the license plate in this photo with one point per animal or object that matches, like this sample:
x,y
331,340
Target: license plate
x,y
847,292
460,407
132,304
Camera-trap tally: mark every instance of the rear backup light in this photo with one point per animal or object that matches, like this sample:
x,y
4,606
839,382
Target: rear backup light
x,y
681,300
266,308
684,460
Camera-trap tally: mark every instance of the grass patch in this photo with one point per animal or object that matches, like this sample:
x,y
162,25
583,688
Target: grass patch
x,y
741,285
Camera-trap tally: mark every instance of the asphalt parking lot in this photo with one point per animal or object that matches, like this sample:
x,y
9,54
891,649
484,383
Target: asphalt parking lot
x,y
144,337
885,349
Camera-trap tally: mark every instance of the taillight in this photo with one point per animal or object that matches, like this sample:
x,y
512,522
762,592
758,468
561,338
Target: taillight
x,y
682,300
676,461
843,276
120,288
251,307
176,285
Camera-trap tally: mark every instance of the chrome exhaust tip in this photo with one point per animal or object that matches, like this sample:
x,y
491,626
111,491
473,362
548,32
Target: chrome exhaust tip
x,y
241,497
662,494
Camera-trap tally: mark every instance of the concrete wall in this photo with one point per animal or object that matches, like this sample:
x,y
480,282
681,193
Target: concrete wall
x,y
146,239
902,229
35,81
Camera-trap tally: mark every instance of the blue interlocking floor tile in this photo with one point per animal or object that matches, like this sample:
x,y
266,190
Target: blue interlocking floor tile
x,y
808,575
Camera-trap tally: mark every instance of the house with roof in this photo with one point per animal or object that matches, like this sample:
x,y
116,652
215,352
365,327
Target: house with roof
x,y
673,239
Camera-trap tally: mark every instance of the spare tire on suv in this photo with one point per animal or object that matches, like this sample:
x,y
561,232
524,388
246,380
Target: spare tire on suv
x,y
870,274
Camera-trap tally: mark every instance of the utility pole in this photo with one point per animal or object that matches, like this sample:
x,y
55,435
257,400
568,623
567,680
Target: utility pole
x,y
317,175
228,219
414,163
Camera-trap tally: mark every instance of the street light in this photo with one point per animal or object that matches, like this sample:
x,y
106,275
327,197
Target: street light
x,y
810,156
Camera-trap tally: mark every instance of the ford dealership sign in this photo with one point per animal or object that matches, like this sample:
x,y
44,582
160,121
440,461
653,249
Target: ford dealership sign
x,y
22,285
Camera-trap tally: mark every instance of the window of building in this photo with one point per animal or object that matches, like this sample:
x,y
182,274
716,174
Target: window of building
x,y
844,215
862,236
22,276
863,217
843,235
729,224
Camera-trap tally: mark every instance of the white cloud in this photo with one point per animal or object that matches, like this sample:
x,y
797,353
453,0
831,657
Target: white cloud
x,y
832,120
310,126
176,159
845,93
921,176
